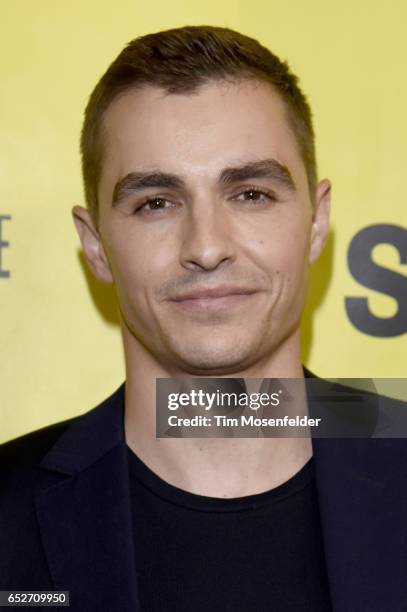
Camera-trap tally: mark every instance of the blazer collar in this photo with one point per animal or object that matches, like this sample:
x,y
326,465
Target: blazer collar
x,y
362,493
90,436
84,513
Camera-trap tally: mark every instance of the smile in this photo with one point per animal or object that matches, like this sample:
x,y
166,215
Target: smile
x,y
209,304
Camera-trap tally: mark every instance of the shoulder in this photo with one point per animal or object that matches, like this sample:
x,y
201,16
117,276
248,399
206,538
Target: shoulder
x,y
25,452
357,389
355,409
76,439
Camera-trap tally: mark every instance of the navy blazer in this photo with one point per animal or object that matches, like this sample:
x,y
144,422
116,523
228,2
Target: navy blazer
x,y
65,515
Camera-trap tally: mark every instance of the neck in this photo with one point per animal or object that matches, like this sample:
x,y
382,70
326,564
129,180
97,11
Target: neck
x,y
216,467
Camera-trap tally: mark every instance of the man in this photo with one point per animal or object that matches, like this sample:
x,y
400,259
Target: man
x,y
204,210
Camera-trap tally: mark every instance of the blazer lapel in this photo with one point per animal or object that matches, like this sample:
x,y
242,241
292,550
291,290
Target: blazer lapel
x,y
362,490
84,513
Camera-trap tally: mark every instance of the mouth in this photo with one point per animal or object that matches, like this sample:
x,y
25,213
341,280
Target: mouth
x,y
208,300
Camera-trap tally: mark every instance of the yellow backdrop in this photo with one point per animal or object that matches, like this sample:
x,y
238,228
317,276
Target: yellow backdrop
x,y
60,353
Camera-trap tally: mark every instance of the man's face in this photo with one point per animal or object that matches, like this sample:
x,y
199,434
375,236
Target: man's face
x,y
206,192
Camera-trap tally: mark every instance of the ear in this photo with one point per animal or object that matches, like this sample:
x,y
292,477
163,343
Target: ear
x,y
91,244
320,220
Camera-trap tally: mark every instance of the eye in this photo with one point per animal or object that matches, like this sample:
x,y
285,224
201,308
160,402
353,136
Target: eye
x,y
151,205
255,195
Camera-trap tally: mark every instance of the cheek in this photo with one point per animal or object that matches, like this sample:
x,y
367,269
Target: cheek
x,y
282,248
136,259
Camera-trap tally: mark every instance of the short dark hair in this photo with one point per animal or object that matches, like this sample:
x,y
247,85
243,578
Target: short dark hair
x,y
180,60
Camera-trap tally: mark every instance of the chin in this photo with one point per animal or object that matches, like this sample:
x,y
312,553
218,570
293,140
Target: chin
x,y
212,361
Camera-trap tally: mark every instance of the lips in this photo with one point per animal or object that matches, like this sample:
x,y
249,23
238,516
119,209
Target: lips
x,y
217,292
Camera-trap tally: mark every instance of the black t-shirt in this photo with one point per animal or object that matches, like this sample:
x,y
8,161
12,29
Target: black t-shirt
x,y
257,553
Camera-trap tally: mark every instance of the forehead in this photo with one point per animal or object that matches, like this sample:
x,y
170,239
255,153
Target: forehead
x,y
196,135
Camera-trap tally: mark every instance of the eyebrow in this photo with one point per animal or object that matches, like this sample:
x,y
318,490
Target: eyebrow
x,y
265,168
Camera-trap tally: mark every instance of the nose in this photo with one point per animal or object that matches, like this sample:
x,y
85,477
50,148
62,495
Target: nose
x,y
207,236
